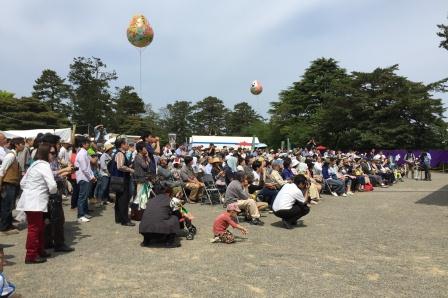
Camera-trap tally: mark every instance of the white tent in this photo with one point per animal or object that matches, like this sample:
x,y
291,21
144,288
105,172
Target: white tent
x,y
228,141
64,133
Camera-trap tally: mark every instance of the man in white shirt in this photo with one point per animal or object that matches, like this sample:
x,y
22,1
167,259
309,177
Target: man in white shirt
x,y
64,154
291,202
84,177
10,176
3,150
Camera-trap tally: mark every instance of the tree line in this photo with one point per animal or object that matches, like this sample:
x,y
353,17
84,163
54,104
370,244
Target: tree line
x,y
338,108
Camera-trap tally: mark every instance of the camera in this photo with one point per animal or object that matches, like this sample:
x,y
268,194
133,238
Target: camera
x,y
74,169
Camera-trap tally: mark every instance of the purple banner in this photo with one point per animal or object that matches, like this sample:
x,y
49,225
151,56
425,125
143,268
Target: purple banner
x,y
438,157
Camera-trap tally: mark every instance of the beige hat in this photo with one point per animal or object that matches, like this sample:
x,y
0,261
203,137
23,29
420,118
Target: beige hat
x,y
215,159
107,147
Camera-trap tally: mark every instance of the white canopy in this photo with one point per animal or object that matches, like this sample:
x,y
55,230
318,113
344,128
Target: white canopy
x,y
228,141
64,133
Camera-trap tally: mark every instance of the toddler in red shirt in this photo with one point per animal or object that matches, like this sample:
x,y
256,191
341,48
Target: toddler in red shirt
x,y
223,221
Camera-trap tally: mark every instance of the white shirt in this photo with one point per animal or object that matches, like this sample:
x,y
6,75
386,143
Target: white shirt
x,y
3,152
7,162
64,155
317,169
208,169
287,196
82,161
37,184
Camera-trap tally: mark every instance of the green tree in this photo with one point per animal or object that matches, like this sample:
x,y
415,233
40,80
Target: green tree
x,y
443,33
91,100
361,110
128,103
295,114
176,119
240,118
27,113
52,90
209,117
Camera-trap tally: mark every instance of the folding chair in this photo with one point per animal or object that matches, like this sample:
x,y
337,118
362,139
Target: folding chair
x,y
327,187
210,189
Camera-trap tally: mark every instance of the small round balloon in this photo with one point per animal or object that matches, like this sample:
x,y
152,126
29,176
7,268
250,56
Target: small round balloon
x,y
256,88
140,33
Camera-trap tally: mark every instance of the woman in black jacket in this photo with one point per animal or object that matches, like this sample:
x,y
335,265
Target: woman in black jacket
x,y
159,223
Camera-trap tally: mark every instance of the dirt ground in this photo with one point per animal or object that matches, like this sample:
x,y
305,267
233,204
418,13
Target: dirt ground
x,y
387,243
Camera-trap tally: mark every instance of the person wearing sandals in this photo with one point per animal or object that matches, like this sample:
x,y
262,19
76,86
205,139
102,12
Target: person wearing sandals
x,y
37,185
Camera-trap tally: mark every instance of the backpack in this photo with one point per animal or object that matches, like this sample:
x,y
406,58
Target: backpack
x,y
368,187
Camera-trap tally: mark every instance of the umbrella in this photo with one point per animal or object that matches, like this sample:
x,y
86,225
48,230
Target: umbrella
x,y
320,147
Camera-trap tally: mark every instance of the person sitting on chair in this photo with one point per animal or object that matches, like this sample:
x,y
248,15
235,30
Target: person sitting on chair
x,y
290,203
192,182
237,193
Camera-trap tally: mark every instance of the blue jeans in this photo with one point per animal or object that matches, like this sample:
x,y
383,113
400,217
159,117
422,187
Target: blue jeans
x,y
270,194
83,203
336,185
8,197
103,188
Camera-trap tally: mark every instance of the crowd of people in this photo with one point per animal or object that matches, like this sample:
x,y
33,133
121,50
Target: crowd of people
x,y
155,183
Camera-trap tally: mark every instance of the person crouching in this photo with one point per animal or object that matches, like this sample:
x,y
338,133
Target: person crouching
x,y
223,221
159,224
291,203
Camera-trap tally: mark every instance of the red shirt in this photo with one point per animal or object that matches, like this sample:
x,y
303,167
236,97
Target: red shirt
x,y
222,222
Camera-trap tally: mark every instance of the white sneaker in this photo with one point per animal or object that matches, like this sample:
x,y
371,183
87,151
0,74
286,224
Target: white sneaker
x,y
313,202
83,219
344,194
350,193
334,194
88,216
214,240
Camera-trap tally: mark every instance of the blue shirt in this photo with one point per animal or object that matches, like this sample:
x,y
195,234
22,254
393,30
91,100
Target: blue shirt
x,y
287,174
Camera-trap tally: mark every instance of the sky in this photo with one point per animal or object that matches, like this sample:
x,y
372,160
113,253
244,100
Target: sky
x,y
217,48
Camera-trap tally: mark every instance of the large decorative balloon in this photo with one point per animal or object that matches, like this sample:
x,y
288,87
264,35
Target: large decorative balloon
x,y
139,32
256,88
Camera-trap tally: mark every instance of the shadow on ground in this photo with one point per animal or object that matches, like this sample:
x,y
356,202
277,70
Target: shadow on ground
x,y
279,224
438,197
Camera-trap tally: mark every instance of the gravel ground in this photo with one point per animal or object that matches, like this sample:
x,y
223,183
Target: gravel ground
x,y
387,243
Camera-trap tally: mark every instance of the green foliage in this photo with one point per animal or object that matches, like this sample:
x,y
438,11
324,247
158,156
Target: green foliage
x,y
27,113
361,110
91,100
128,103
52,90
176,118
209,117
242,117
443,33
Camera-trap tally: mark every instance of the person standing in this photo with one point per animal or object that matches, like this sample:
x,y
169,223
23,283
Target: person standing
x,y
10,175
150,139
54,230
64,153
84,177
37,184
291,203
3,150
24,156
122,168
105,158
72,180
141,175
